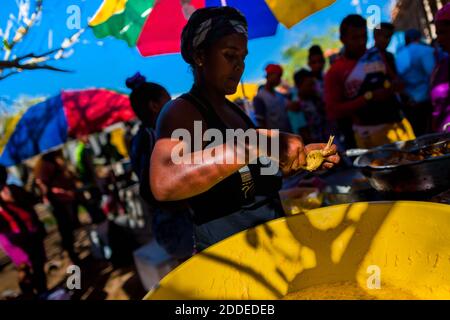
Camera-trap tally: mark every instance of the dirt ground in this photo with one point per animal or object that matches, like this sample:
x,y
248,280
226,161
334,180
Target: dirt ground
x,y
99,279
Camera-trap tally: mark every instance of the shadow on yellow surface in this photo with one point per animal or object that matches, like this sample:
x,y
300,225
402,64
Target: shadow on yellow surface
x,y
404,245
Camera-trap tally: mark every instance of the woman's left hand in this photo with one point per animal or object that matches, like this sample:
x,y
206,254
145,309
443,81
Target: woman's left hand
x,y
293,154
331,159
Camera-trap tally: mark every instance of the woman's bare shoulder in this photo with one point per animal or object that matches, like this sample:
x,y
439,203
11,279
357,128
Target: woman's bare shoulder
x,y
177,114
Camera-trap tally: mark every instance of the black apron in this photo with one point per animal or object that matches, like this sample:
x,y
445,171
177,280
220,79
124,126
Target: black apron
x,y
241,201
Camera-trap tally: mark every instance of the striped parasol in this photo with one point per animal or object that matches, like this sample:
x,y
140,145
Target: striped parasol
x,y
154,26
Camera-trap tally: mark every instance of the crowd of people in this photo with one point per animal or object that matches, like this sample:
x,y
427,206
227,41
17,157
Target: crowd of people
x,y
367,97
62,188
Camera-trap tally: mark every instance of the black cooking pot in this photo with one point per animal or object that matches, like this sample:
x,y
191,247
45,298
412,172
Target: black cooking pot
x,y
431,174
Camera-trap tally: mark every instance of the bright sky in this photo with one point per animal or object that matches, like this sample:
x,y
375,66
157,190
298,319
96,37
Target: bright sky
x,y
108,62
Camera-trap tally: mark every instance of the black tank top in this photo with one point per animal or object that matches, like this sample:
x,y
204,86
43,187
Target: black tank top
x,y
238,191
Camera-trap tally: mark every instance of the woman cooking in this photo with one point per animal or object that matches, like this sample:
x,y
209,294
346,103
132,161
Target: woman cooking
x,y
224,198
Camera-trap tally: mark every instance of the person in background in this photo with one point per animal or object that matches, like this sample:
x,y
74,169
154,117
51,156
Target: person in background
x,y
316,63
332,58
439,52
109,150
312,106
440,87
58,187
22,236
345,135
359,92
271,107
90,195
171,223
415,64
128,136
382,35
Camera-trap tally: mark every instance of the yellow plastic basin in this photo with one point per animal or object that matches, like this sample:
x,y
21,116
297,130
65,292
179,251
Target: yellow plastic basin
x,y
383,250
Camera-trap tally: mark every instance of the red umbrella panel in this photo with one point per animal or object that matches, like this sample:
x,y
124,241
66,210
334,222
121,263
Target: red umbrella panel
x,y
51,123
90,111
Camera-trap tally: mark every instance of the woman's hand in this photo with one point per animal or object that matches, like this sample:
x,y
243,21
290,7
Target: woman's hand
x,y
332,157
293,154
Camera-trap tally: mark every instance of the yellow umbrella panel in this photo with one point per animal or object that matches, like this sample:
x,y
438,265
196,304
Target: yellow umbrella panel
x,y
7,125
245,91
290,12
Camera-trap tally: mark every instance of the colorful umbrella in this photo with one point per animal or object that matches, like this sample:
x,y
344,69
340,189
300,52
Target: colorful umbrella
x,y
155,26
7,125
51,123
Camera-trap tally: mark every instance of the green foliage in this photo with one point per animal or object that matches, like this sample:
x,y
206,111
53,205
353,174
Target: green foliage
x,y
296,56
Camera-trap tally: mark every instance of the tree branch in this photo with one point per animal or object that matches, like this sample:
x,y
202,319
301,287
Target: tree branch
x,y
33,55
8,75
20,63
42,66
23,31
33,61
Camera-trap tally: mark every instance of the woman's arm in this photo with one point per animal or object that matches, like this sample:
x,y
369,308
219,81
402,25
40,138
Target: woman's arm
x,y
172,181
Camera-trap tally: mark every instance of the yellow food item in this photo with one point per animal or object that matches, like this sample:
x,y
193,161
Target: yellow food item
x,y
315,158
348,290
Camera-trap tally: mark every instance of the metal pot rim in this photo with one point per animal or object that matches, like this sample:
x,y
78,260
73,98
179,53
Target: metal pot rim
x,y
395,166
